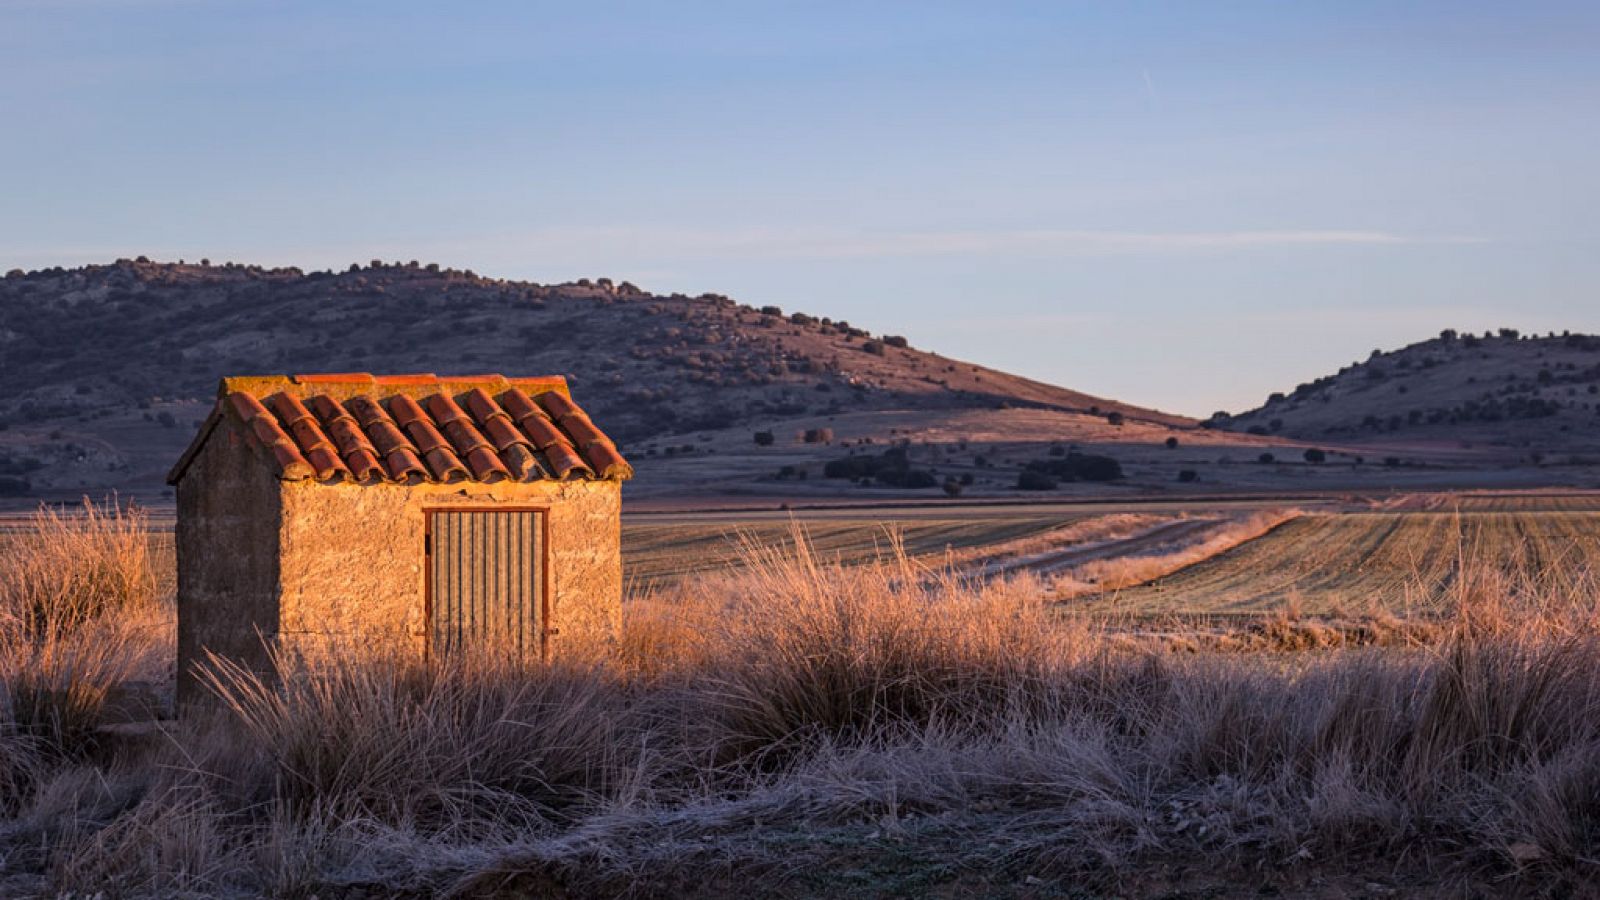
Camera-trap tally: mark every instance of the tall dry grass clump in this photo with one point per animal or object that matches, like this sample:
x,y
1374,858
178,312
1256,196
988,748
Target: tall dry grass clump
x,y
459,745
64,569
79,616
795,652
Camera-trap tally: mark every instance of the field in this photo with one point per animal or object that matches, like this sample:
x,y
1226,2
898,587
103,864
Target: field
x,y
811,709
1519,502
663,553
1407,564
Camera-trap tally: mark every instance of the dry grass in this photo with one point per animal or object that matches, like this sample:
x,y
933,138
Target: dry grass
x,y
64,569
79,618
881,730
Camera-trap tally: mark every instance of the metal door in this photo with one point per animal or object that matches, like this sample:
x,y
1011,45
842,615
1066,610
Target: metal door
x,y
486,581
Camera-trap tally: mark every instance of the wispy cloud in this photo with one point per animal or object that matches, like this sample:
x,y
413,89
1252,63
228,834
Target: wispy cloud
x,y
1150,88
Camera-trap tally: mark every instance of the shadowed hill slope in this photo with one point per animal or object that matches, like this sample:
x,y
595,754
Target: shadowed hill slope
x,y
1505,388
107,368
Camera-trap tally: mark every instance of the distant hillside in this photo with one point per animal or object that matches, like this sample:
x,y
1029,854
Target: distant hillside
x,y
1501,388
108,368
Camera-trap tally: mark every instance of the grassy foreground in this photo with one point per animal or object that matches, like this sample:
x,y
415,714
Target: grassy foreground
x,y
796,729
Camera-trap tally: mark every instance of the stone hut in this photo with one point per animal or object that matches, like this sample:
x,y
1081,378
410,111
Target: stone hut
x,y
434,513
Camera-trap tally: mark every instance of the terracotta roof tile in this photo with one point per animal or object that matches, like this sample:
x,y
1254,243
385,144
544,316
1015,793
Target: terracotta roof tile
x,y
521,462
557,405
364,465
266,430
482,406
486,465
581,430
543,433
565,461
359,455
414,428
599,452
469,443
444,410
405,467
607,461
503,434
444,465
520,405
291,465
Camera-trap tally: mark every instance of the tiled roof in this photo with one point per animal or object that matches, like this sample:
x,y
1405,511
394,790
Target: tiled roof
x,y
411,429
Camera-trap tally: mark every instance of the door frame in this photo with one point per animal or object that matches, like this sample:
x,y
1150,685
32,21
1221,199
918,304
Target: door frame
x,y
543,510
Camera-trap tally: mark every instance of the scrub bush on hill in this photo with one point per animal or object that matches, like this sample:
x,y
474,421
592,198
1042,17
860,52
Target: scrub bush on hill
x,y
892,467
1077,467
1031,480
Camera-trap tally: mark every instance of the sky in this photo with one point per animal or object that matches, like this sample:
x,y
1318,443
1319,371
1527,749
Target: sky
x,y
1183,205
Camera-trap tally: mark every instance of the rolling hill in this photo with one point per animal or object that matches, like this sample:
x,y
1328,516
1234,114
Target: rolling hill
x,y
1504,389
107,369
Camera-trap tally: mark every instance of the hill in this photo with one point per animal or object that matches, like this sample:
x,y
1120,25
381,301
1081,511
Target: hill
x,y
1502,389
107,369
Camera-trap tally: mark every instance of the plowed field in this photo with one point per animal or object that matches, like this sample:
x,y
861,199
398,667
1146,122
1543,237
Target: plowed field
x,y
1408,562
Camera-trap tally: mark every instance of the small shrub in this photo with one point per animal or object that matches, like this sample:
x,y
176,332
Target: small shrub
x,y
1315,456
1033,480
1172,443
764,439
1079,467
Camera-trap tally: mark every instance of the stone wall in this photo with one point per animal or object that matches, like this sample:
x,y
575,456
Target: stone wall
x,y
227,548
353,559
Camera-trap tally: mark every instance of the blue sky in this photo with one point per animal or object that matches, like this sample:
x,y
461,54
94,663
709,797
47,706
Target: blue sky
x,y
1183,205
